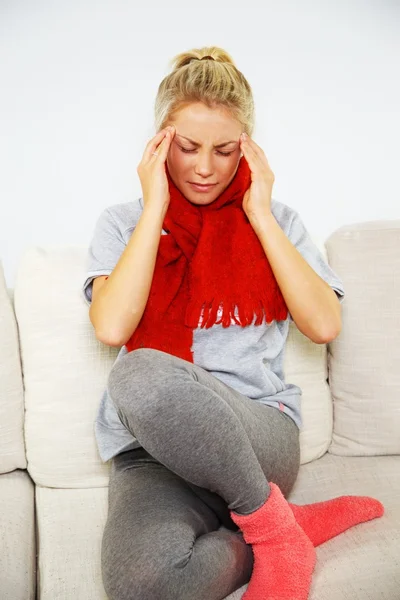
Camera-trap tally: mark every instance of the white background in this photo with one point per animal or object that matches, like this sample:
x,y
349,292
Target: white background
x,y
79,78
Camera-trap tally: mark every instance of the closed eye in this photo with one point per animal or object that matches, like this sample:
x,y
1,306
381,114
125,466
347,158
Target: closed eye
x,y
219,151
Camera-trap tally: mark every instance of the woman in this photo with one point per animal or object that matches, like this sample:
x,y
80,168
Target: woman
x,y
197,282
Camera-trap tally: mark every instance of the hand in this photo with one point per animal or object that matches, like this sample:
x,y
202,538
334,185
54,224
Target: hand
x,y
151,170
257,199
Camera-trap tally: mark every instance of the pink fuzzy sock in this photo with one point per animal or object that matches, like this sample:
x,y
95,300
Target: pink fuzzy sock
x,y
284,557
322,521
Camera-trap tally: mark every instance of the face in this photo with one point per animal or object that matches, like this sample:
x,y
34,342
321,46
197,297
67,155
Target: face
x,y
196,154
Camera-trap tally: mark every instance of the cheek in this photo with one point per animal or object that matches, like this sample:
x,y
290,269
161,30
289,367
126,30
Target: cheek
x,y
176,159
230,166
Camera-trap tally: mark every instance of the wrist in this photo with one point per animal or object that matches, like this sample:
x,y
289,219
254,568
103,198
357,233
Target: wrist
x,y
262,223
155,212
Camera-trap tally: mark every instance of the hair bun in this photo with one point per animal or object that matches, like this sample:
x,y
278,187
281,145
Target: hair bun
x,y
195,55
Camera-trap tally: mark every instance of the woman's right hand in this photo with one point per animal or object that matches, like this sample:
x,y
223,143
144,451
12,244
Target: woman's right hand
x,y
151,170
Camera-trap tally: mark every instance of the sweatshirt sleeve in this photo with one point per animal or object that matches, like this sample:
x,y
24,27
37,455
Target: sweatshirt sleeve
x,y
301,239
105,249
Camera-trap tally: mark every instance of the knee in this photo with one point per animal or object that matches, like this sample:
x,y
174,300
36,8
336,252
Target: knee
x,y
142,364
136,378
131,372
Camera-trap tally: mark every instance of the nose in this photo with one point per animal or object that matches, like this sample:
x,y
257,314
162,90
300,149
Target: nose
x,y
204,167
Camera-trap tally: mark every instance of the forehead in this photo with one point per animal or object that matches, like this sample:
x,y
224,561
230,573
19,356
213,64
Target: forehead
x,y
197,121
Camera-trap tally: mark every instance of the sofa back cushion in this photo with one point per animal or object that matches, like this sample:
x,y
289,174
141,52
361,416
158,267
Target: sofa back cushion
x,y
12,446
364,372
66,370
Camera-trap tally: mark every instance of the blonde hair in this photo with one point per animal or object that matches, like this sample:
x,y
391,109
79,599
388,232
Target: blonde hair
x,y
206,75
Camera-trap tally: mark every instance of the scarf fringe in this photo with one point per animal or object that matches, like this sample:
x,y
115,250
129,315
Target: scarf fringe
x,y
266,309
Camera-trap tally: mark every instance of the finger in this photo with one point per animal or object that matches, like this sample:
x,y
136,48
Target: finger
x,y
250,154
256,156
163,148
255,147
154,143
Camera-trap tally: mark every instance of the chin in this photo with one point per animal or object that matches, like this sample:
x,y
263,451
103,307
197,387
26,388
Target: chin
x,y
200,201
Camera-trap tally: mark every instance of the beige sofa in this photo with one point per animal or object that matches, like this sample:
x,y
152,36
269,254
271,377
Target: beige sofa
x,y
53,487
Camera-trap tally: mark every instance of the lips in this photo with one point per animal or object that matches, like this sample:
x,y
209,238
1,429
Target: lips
x,y
203,184
201,188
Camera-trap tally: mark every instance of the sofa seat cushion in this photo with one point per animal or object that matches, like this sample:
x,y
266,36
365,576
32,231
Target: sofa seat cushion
x,y
70,529
17,537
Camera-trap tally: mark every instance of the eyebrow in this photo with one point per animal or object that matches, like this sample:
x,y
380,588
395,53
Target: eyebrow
x,y
197,144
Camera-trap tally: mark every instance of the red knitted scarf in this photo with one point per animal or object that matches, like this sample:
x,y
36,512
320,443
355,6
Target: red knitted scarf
x,y
210,259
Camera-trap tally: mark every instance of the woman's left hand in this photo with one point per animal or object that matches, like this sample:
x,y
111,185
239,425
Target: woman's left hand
x,y
257,199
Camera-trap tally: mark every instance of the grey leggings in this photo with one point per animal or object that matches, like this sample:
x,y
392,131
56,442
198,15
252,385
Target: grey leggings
x,y
205,450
